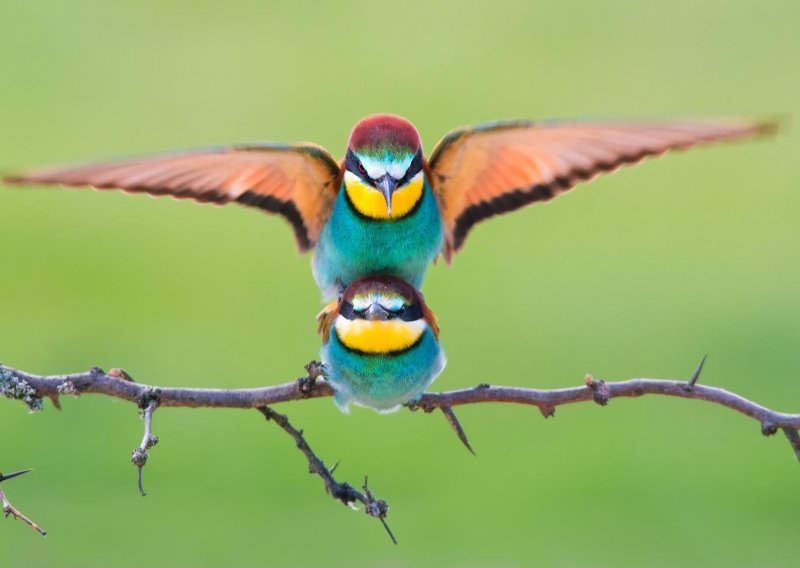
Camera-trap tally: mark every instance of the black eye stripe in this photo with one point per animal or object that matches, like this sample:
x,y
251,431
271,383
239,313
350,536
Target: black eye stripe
x,y
413,169
352,163
411,312
346,310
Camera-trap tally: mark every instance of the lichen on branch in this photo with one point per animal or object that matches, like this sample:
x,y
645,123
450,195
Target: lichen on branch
x,y
16,388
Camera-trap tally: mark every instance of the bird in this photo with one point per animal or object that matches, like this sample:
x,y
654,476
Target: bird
x,y
381,345
386,208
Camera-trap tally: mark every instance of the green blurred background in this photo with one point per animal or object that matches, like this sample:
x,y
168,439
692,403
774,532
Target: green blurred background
x,y
637,274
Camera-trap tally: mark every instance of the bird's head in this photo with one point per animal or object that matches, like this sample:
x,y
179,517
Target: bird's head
x,y
380,315
383,167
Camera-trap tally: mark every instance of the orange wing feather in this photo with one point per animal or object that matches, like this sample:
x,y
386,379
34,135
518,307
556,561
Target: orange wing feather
x,y
325,319
491,169
298,182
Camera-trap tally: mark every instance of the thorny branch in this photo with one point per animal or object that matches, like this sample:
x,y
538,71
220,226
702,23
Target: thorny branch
x,y
10,510
343,492
139,455
32,389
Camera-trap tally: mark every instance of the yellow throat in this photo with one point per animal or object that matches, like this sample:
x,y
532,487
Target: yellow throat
x,y
378,337
370,202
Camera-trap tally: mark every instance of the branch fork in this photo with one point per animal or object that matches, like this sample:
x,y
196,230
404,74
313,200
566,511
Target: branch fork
x,y
344,492
32,389
10,511
148,403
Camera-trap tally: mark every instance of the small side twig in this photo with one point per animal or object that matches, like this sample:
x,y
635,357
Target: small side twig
x,y
306,384
343,492
31,389
139,455
10,510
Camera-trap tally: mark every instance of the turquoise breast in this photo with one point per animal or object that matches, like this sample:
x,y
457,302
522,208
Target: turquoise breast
x,y
381,382
352,246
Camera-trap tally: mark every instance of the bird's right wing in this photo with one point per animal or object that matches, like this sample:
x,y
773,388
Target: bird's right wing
x,y
299,182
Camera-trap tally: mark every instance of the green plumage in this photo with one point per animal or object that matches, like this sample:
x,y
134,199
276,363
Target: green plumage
x,y
381,382
352,246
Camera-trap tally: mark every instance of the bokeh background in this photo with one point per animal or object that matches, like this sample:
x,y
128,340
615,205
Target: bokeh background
x,y
636,274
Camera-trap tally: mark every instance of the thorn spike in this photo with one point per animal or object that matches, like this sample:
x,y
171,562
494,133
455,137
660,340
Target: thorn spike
x,y
15,474
388,530
696,375
456,425
794,440
141,488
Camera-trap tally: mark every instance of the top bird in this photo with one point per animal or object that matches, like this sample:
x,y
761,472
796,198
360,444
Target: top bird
x,y
385,208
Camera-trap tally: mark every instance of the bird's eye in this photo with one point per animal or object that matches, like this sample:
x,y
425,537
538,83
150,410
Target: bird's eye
x,y
362,169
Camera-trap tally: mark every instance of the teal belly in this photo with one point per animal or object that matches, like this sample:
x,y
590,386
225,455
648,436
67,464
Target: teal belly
x,y
381,382
352,246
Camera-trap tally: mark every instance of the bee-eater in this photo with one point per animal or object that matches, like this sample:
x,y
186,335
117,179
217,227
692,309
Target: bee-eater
x,y
380,345
385,208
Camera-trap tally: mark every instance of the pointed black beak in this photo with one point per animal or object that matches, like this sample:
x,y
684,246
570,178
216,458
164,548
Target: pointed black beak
x,y
3,477
387,184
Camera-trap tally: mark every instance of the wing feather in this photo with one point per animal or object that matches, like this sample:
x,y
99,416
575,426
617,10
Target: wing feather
x,y
491,169
297,181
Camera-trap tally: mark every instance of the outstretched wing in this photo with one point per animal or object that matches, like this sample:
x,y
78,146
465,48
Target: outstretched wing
x,y
297,181
494,168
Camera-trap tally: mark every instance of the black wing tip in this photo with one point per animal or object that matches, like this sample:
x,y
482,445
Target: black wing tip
x,y
40,179
14,179
773,126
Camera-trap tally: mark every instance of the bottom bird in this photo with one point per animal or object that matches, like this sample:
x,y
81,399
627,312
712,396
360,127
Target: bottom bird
x,y
380,345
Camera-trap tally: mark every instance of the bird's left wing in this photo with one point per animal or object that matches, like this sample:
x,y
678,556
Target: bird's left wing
x,y
487,170
299,181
